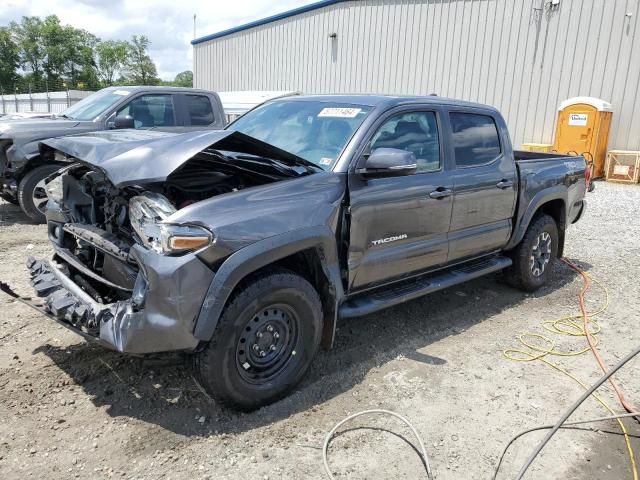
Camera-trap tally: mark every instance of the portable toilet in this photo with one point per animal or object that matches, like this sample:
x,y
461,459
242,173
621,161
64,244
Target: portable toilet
x,y
583,129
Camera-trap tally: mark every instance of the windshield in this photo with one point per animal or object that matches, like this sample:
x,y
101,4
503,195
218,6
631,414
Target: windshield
x,y
314,130
90,107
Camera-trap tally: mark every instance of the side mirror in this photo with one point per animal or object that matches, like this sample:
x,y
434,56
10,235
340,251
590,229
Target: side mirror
x,y
125,121
389,162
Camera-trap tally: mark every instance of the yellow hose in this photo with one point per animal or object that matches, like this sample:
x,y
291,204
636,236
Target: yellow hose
x,y
537,347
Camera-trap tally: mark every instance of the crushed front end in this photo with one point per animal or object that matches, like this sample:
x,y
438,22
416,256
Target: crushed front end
x,y
128,268
119,272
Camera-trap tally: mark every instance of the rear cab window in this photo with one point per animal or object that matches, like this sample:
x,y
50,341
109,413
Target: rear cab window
x,y
199,110
475,139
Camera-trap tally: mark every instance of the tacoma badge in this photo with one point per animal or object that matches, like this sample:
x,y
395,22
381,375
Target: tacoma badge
x,y
389,239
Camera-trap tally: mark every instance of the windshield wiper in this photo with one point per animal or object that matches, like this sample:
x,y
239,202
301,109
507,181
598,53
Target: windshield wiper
x,y
63,115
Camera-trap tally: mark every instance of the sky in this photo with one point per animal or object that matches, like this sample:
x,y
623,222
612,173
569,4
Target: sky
x,y
167,23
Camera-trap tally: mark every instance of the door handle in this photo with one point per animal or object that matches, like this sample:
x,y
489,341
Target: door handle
x,y
504,184
440,193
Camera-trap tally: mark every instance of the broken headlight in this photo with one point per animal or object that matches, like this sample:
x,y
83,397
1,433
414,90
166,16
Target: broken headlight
x,y
148,212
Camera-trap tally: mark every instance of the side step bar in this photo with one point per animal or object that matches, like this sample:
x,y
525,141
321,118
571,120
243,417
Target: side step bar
x,y
410,289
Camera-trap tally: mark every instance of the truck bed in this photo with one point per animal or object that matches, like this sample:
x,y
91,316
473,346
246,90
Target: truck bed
x,y
523,155
548,177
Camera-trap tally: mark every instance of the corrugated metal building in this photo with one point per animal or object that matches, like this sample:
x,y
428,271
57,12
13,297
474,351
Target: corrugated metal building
x,y
523,56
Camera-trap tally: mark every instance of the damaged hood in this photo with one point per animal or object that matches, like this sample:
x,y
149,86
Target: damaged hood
x,y
131,157
10,127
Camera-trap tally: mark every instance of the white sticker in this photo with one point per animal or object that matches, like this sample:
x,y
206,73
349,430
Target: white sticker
x,y
326,161
339,112
121,92
621,170
578,119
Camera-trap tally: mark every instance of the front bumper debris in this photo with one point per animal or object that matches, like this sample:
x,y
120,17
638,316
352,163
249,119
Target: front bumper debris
x,y
174,289
5,288
66,300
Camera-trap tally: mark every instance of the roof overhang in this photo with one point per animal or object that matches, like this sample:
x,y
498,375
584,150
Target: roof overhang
x,y
271,19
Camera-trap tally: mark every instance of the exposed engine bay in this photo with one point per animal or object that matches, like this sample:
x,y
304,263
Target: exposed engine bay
x,y
104,221
132,265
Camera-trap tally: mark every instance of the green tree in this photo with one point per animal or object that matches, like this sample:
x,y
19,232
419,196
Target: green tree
x,y
111,59
28,37
54,53
184,79
140,69
55,39
69,52
80,62
9,60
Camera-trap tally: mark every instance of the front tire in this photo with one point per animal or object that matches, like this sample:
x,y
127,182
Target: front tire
x,y
31,193
535,256
264,342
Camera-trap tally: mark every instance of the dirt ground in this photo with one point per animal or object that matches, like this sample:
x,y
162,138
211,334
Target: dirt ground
x,y
70,409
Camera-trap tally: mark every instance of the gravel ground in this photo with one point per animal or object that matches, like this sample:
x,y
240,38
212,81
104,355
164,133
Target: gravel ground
x,y
71,409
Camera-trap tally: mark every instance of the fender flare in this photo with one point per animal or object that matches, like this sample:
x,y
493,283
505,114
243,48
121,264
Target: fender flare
x,y
262,253
22,157
559,192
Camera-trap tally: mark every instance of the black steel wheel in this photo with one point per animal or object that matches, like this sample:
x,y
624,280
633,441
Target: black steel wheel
x,y
264,342
267,343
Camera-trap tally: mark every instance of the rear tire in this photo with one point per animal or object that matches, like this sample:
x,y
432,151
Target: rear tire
x,y
535,256
264,342
31,194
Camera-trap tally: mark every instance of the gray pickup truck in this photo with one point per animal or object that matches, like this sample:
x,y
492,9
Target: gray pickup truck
x,y
23,170
245,246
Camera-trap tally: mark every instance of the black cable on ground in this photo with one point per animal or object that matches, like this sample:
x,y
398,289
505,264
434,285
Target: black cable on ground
x,y
573,408
566,426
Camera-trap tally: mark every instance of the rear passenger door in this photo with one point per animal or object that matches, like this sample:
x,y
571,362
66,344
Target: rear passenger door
x,y
485,181
399,225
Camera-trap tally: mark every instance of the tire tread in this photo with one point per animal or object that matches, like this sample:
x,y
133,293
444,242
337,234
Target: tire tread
x,y
249,288
516,275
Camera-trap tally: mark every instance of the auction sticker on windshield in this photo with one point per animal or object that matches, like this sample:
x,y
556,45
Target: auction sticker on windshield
x,y
339,112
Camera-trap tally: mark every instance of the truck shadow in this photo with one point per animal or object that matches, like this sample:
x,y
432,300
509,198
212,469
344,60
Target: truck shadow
x,y
160,390
12,215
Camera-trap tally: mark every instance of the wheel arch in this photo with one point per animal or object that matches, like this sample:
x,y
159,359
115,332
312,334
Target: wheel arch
x,y
552,202
34,160
311,253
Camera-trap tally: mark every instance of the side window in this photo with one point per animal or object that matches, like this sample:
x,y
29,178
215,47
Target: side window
x,y
199,110
416,132
150,111
475,139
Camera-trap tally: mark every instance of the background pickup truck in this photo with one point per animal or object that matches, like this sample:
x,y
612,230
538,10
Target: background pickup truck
x,y
245,246
23,170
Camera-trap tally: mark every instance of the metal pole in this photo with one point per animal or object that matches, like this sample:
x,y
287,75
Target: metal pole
x,y
46,84
4,110
15,96
30,98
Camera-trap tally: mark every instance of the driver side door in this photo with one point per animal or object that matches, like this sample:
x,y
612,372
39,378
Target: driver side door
x,y
399,225
151,111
